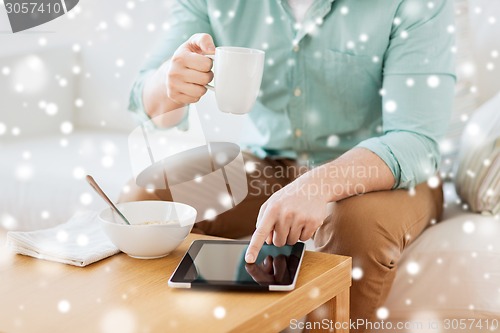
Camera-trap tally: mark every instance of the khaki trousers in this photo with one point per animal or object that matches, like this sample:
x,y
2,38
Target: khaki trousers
x,y
373,228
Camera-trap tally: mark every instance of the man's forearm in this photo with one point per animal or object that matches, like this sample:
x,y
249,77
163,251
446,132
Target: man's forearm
x,y
160,108
298,210
357,171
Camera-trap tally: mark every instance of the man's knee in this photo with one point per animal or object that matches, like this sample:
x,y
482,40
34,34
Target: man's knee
x,y
359,227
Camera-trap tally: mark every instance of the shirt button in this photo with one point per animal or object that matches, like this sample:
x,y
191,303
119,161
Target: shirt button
x,y
297,92
296,48
298,133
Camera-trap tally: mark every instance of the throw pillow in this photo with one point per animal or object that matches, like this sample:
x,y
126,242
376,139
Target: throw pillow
x,y
478,171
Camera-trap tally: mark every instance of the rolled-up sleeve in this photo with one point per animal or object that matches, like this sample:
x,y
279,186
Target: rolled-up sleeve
x,y
418,91
186,18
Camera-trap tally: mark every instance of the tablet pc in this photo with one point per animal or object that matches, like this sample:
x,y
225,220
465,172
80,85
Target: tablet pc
x,y
220,264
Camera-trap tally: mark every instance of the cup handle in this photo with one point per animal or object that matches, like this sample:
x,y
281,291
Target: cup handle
x,y
209,87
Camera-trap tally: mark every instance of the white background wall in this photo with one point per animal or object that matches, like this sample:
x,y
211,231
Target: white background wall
x,y
107,32
485,23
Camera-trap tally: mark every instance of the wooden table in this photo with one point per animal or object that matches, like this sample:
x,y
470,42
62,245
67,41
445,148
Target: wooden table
x,y
122,294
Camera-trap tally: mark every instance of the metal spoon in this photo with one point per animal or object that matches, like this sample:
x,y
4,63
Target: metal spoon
x,y
103,195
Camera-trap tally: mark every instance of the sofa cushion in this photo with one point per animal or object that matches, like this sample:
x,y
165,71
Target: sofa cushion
x,y
450,271
478,172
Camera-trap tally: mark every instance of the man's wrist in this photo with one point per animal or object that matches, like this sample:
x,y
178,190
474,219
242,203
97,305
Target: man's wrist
x,y
162,78
157,105
333,182
318,185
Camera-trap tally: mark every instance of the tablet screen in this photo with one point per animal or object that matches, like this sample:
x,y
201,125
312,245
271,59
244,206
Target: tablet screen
x,y
222,264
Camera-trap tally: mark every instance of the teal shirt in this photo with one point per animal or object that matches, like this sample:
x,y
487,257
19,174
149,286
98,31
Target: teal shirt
x,y
377,74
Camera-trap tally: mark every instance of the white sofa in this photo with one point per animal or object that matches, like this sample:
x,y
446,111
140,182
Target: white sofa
x,y
451,271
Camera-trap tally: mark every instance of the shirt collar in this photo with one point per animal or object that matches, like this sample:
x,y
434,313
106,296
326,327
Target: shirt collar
x,y
313,18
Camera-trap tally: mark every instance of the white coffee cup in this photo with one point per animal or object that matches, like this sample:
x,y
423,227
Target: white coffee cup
x,y
237,78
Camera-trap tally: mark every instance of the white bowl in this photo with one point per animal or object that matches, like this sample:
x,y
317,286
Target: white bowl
x,y
151,240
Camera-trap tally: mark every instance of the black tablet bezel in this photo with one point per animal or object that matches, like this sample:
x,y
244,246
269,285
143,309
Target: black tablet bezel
x,y
177,279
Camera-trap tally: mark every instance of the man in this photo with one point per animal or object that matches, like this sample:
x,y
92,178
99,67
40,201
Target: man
x,y
358,91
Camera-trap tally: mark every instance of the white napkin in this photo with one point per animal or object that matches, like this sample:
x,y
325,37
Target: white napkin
x,y
79,242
